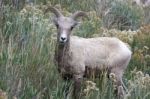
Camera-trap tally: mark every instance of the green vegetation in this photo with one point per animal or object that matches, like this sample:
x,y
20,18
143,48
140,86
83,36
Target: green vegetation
x,y
27,43
122,16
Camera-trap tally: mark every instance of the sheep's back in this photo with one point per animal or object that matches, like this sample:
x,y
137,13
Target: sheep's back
x,y
98,52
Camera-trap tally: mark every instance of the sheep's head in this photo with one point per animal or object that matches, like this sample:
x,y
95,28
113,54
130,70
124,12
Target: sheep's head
x,y
65,24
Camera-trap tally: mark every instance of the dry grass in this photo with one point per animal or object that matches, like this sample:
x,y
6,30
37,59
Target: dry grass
x,y
27,42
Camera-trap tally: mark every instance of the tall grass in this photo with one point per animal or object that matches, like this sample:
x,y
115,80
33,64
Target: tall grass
x,y
27,43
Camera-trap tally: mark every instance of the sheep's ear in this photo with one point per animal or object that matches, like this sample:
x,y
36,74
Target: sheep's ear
x,y
79,14
54,10
76,24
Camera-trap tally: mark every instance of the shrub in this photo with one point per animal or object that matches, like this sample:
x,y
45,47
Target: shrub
x,y
122,16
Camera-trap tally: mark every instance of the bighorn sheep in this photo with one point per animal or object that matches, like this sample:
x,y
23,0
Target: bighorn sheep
x,y
76,56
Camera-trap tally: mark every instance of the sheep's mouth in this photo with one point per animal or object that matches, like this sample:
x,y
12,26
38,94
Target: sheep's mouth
x,y
62,42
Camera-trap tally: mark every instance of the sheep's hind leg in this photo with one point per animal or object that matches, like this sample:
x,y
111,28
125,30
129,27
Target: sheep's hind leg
x,y
118,83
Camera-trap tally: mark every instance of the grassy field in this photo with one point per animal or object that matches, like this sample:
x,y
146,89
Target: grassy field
x,y
27,44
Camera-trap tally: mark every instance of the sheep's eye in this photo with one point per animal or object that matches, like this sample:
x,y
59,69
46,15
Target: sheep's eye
x,y
71,27
57,26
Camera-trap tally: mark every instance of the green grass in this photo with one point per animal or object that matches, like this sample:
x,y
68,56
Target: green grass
x,y
27,43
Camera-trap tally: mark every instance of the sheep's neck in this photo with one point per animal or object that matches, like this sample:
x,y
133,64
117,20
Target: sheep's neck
x,y
62,51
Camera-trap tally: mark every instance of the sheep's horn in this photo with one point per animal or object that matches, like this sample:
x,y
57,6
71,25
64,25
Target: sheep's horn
x,y
54,10
79,14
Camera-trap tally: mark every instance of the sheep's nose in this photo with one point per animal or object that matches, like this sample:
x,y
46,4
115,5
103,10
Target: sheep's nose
x,y
63,38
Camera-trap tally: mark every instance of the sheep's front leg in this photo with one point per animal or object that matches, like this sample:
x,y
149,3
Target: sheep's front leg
x,y
77,86
66,78
67,89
